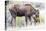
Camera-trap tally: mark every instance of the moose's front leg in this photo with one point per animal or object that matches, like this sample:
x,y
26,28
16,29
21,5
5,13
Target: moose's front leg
x,y
30,19
26,19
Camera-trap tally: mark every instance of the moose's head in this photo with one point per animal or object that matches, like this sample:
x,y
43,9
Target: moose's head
x,y
35,12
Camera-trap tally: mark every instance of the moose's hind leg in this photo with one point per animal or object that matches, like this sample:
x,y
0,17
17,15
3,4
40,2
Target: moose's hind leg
x,y
14,18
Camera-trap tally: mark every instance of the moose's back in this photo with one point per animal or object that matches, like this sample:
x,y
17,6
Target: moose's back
x,y
21,10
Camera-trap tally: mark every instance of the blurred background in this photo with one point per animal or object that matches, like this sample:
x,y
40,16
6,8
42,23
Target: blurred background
x,y
20,20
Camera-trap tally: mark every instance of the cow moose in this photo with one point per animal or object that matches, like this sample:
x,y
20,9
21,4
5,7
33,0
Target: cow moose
x,y
22,10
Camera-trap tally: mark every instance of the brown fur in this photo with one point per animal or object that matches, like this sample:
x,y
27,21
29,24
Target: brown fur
x,y
22,10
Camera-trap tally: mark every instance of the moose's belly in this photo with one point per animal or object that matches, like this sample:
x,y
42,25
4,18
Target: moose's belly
x,y
20,13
